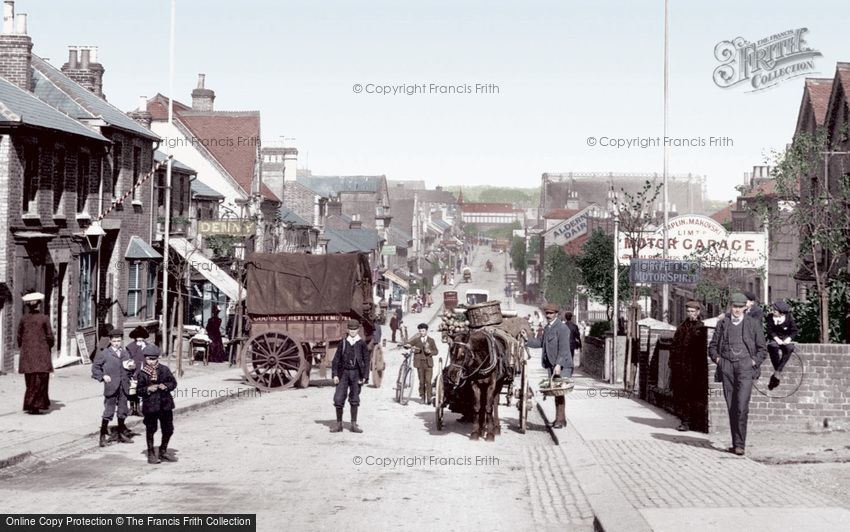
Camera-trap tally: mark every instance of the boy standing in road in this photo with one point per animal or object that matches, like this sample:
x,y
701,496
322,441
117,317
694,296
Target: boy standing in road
x,y
350,372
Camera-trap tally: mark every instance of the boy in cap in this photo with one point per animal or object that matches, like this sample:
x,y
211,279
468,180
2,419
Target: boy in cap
x,y
136,349
557,360
112,367
156,382
35,338
350,372
424,348
781,330
738,348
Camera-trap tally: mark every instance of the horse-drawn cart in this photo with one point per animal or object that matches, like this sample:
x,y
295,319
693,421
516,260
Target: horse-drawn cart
x,y
486,355
298,307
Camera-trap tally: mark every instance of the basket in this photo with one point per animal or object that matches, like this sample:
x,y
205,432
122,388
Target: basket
x,y
483,314
556,388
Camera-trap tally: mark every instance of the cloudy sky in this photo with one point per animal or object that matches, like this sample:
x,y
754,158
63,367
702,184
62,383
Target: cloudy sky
x,y
565,71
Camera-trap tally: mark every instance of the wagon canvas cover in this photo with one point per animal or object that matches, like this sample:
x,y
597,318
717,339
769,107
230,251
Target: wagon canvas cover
x,y
297,283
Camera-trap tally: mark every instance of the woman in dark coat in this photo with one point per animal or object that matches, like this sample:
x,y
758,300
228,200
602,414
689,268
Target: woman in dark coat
x,y
216,347
35,338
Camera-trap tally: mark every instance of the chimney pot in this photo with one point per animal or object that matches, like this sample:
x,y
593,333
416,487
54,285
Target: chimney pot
x,y
201,79
8,16
85,56
143,103
21,24
93,56
72,57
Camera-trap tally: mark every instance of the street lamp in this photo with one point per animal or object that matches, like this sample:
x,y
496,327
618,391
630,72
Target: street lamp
x,y
94,234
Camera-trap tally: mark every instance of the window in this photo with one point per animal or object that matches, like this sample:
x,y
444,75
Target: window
x,y
181,195
117,161
58,180
83,181
150,305
31,157
137,168
84,310
134,289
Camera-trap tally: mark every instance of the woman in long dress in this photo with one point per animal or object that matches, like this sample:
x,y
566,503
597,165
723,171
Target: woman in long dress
x,y
35,338
216,347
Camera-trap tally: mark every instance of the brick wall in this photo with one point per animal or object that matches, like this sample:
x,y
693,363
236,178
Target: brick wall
x,y
823,374
15,58
593,357
301,200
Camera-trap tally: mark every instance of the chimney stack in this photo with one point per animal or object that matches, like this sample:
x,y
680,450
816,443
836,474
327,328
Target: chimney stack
x,y
15,48
334,207
141,115
82,67
202,98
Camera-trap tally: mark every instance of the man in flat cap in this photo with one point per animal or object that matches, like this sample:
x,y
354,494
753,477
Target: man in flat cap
x,y
688,368
781,331
556,343
35,338
738,348
112,367
350,371
424,348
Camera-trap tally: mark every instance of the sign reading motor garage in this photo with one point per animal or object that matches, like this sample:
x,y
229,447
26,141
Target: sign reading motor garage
x,y
691,234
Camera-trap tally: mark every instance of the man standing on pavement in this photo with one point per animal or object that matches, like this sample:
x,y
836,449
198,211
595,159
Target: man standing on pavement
x,y
156,382
112,367
575,335
424,348
556,355
687,365
35,338
738,348
350,372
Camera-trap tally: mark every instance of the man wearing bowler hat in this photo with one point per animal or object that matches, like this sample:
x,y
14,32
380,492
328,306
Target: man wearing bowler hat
x,y
738,348
350,372
557,360
112,367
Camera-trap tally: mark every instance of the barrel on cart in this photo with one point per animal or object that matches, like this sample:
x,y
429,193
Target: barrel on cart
x,y
298,307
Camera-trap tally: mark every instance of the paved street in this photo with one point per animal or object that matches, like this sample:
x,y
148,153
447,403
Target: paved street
x,y
273,455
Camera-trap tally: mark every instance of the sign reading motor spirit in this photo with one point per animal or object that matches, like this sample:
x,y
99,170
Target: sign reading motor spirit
x,y
691,234
227,227
654,271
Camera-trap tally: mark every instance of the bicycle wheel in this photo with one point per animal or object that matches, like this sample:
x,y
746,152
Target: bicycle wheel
x,y
399,383
407,389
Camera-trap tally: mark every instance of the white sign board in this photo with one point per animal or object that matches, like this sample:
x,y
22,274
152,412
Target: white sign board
x,y
571,228
690,235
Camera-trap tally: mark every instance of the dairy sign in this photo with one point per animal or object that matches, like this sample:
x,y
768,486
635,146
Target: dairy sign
x,y
571,228
693,236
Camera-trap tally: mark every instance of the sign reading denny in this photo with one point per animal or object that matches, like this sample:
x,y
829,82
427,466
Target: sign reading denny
x,y
227,227
690,234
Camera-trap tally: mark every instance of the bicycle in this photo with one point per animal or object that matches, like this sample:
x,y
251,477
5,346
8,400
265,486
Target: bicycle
x,y
404,382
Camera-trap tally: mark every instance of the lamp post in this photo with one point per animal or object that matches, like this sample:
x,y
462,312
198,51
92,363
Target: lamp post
x,y
615,322
94,235
665,290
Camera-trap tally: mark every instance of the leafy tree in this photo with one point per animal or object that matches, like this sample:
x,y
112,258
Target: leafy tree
x,y
518,255
562,278
807,314
596,265
470,230
504,232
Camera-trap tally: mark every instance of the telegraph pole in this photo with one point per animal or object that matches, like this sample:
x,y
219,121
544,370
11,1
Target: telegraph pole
x,y
665,303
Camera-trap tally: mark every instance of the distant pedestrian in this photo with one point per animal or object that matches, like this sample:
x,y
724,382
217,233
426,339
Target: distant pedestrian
x,y
575,335
35,338
156,382
377,365
429,300
781,329
216,347
738,348
687,366
350,372
113,367
394,327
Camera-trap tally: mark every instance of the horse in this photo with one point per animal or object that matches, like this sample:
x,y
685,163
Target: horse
x,y
479,367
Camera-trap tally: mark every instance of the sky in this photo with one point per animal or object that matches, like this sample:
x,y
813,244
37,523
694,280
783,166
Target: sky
x,y
552,74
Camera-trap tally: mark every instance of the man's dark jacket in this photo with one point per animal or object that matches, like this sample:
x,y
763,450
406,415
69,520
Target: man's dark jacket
x,y
556,345
753,334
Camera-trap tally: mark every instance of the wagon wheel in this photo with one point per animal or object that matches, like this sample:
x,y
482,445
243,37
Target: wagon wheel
x,y
304,379
522,402
439,393
273,361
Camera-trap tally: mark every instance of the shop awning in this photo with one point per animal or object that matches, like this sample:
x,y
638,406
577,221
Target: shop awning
x,y
211,271
138,249
396,279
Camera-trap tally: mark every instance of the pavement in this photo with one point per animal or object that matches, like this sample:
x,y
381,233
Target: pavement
x,y
639,473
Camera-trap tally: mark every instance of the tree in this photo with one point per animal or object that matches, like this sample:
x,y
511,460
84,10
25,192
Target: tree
x,y
470,230
817,207
562,278
518,255
596,264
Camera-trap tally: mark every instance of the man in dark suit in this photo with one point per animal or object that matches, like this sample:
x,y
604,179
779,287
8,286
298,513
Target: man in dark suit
x,y
112,367
350,372
156,382
557,360
424,348
738,348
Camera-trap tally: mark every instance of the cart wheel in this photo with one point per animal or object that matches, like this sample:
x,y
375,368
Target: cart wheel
x,y
524,395
438,396
273,361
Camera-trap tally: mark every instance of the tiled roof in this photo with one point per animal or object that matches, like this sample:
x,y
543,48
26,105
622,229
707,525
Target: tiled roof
x,y
842,73
724,215
328,186
399,238
348,240
488,207
819,91
288,215
200,190
18,106
442,224
141,250
561,214
159,156
63,93
158,107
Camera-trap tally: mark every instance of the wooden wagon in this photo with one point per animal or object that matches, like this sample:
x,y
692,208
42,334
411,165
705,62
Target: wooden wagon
x,y
298,308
